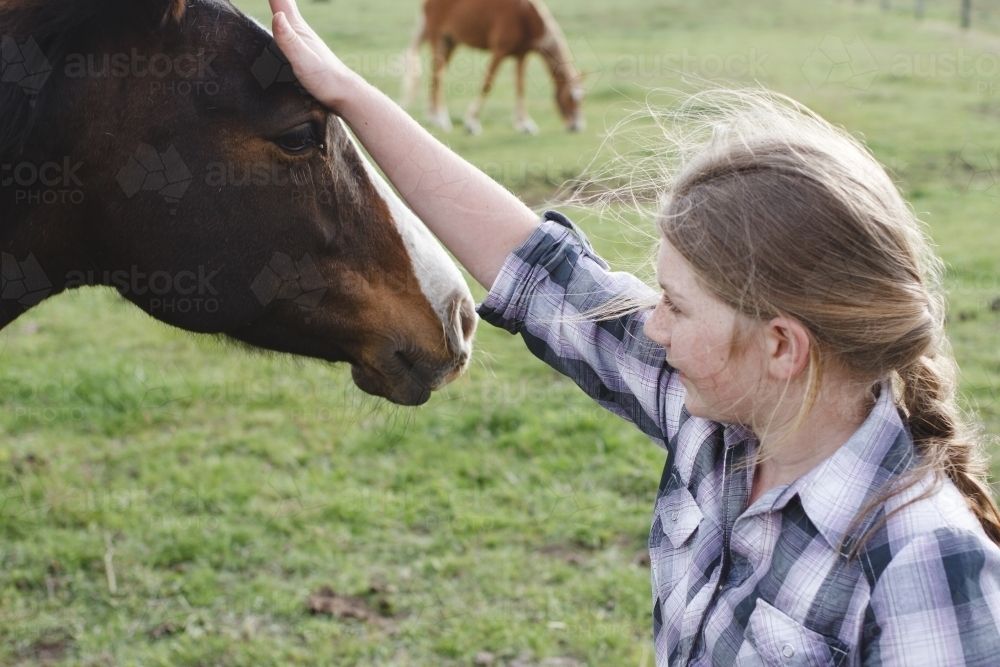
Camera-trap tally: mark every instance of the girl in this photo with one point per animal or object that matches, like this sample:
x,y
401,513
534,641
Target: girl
x,y
823,502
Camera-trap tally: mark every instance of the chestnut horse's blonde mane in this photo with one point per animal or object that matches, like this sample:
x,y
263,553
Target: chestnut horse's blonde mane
x,y
554,48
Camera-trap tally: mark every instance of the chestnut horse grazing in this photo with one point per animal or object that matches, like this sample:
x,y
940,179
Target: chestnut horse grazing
x,y
162,148
505,28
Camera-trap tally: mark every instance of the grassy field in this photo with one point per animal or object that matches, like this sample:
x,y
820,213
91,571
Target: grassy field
x,y
166,500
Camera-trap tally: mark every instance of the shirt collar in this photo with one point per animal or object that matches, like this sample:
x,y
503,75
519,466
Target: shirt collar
x,y
734,434
835,491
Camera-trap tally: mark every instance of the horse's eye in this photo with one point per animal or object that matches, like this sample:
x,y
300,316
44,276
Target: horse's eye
x,y
299,140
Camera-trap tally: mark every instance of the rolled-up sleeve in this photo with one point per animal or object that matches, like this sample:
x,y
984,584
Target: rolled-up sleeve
x,y
548,290
937,603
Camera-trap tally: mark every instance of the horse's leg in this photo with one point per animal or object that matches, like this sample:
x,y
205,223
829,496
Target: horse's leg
x,y
522,121
472,123
443,48
411,63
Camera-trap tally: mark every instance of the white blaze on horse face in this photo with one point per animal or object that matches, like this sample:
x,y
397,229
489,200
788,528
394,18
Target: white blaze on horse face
x,y
578,123
439,278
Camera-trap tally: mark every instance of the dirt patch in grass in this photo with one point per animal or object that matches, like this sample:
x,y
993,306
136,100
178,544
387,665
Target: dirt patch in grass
x,y
375,610
49,648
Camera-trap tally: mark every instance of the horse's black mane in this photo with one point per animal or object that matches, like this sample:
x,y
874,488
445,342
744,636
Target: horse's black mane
x,y
58,26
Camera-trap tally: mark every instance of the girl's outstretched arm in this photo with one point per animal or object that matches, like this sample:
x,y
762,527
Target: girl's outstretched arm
x,y
476,218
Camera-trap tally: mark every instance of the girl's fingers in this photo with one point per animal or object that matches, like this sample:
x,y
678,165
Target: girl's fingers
x,y
279,23
293,26
292,20
287,7
294,43
315,66
286,37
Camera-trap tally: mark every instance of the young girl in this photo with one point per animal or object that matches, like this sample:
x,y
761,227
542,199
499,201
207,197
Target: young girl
x,y
823,502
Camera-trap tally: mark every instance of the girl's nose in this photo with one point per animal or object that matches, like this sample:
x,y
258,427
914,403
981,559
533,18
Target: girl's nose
x,y
657,328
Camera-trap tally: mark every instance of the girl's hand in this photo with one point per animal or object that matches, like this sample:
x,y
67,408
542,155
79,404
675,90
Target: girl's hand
x,y
316,67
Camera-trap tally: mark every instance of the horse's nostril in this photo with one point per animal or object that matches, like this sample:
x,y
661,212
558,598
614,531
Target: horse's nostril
x,y
469,319
403,361
461,326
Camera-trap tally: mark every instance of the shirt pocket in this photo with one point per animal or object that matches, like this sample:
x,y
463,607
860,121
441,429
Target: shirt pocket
x,y
782,641
679,517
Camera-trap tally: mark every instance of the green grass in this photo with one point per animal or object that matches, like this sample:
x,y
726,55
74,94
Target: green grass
x,y
505,515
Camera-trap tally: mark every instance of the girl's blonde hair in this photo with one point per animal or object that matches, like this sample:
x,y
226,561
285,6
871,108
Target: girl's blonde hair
x,y
779,212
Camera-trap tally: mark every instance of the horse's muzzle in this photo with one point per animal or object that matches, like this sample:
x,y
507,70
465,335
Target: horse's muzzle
x,y
407,373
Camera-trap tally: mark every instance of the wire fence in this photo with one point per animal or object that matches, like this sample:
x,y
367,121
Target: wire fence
x,y
976,14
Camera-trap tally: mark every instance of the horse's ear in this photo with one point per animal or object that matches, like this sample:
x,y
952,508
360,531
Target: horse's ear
x,y
173,10
148,14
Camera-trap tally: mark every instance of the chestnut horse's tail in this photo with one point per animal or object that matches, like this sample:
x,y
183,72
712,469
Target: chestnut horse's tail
x,y
412,67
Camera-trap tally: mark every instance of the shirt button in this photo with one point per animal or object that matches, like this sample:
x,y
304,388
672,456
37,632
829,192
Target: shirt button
x,y
674,515
787,651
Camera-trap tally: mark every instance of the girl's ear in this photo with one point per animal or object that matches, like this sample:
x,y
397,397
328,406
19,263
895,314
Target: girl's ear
x,y
787,348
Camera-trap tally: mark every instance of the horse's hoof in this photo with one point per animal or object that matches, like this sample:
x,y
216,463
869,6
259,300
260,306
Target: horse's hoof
x,y
526,126
441,120
473,126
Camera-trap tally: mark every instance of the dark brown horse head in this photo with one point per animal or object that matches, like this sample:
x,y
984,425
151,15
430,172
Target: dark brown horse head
x,y
162,147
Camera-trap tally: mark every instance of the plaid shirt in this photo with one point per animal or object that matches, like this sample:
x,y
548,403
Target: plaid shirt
x,y
770,584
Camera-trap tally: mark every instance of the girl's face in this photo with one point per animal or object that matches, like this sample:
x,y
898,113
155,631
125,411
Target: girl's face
x,y
696,328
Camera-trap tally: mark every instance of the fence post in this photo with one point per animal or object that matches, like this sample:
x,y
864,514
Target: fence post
x,y
966,13
918,9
